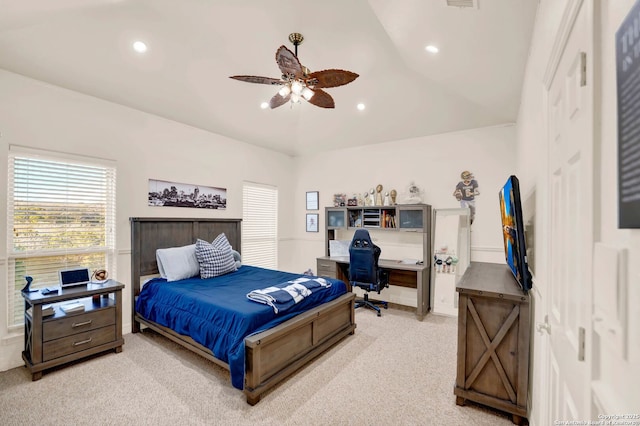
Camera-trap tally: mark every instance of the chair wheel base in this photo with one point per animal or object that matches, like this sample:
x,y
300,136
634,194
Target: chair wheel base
x,y
371,304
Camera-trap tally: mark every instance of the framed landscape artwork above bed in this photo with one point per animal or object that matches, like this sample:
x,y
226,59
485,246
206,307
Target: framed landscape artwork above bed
x,y
172,194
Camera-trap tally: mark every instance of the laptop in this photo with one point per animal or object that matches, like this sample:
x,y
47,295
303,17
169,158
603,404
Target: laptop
x,y
73,277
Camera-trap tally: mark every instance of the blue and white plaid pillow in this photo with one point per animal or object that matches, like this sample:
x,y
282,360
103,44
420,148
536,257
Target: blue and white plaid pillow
x,y
215,259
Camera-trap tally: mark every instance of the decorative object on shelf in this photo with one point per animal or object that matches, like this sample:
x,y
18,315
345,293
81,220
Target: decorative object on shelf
x,y
339,200
466,191
172,194
312,222
393,195
371,200
298,81
378,195
387,201
312,200
444,260
413,194
99,275
27,288
73,307
352,201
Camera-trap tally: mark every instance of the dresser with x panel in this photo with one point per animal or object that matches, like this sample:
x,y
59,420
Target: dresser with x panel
x,y
493,340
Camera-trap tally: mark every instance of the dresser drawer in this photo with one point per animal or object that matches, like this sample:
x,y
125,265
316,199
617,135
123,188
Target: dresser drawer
x,y
78,342
73,324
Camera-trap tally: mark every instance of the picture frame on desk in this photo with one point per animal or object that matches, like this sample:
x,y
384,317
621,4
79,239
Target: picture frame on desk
x,y
312,200
312,222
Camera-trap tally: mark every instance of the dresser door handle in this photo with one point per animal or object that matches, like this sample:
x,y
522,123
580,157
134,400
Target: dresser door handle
x,y
80,324
82,342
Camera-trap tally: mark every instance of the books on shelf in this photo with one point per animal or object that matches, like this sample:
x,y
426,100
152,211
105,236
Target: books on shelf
x,y
73,307
47,310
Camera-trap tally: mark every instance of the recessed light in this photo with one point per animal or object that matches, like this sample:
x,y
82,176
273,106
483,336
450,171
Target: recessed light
x,y
139,47
361,106
432,49
264,105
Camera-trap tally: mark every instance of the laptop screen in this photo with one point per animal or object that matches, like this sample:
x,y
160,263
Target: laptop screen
x,y
74,276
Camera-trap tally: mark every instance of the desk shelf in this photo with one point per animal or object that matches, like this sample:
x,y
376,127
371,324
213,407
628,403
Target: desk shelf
x,y
399,218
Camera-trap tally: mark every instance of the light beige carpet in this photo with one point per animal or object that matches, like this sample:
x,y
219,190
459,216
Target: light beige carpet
x,y
395,370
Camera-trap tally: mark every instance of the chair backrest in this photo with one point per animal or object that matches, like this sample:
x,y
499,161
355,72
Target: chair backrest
x,y
363,260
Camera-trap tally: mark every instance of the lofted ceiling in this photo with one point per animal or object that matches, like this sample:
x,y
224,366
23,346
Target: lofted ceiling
x,y
195,45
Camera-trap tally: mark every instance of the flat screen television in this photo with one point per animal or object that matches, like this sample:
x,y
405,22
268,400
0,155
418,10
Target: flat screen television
x,y
515,249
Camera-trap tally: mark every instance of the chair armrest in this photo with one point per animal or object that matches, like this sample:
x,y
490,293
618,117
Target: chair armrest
x,y
383,279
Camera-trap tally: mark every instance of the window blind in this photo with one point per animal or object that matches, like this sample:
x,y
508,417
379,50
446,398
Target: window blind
x,y
260,225
60,215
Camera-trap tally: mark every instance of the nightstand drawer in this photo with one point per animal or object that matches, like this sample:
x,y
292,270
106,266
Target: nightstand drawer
x,y
78,342
73,324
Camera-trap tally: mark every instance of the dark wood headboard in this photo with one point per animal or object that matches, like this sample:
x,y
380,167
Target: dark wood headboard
x,y
151,233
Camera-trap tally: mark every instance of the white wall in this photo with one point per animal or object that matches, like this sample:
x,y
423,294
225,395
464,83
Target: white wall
x,y
144,146
618,373
434,163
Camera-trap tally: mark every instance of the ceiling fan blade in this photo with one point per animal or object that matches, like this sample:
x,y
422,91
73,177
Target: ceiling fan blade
x,y
288,63
331,78
322,99
257,79
278,100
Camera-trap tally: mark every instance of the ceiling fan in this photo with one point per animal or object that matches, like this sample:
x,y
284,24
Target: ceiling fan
x,y
298,82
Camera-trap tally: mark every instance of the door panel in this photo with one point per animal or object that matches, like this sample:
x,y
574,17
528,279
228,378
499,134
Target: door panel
x,y
570,177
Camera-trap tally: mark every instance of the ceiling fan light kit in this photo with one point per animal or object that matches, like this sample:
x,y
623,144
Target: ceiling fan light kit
x,y
298,81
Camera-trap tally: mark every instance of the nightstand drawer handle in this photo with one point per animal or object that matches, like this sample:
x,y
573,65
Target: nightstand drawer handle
x,y
82,342
80,324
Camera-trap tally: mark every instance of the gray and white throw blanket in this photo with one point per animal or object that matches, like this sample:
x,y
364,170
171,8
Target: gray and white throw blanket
x,y
283,296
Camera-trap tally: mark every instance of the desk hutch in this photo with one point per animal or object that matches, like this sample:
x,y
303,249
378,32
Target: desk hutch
x,y
414,218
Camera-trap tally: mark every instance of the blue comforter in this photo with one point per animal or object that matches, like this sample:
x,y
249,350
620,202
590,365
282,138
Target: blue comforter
x,y
216,313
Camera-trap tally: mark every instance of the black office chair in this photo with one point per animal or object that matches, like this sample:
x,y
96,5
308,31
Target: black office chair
x,y
364,271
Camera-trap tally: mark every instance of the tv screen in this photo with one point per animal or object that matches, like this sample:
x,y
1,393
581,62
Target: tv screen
x,y
515,249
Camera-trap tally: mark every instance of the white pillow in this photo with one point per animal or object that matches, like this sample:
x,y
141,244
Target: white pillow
x,y
238,258
178,263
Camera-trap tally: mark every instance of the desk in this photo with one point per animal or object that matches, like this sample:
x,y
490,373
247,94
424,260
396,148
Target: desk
x,y
400,274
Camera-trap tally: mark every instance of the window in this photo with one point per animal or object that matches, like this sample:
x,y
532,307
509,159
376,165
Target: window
x,y
260,225
61,215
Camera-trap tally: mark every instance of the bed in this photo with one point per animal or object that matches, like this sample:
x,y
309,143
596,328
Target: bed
x,y
272,350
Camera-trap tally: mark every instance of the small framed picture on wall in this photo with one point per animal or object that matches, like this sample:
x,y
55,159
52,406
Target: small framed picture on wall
x,y
312,200
312,222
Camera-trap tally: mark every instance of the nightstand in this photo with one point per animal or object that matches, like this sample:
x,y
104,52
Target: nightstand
x,y
65,337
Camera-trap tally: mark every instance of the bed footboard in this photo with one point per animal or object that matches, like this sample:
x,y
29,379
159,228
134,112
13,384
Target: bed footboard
x,y
275,354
